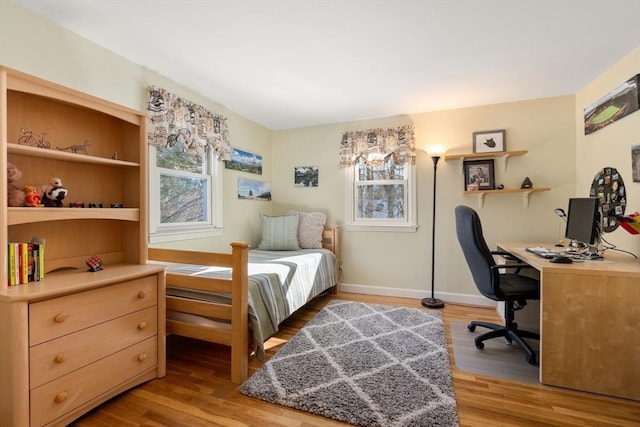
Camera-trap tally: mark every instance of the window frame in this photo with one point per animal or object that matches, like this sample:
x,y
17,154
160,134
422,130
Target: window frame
x,y
160,233
406,225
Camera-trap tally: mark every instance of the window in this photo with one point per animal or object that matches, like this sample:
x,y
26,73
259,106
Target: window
x,y
381,196
185,195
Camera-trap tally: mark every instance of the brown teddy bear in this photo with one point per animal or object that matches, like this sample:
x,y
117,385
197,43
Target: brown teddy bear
x,y
15,196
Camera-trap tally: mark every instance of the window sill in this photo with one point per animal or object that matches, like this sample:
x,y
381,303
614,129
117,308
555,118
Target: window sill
x,y
174,236
385,228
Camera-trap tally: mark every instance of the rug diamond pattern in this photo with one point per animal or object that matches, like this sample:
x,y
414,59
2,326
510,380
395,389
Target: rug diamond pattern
x,y
365,364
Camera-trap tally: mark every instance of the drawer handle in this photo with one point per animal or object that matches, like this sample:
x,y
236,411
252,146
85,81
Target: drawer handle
x,y
61,397
142,325
61,317
142,357
62,357
142,294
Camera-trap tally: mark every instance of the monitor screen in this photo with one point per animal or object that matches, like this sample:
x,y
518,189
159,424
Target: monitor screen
x,y
582,220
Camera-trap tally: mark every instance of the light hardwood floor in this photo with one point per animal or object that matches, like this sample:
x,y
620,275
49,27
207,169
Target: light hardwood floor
x,y
197,392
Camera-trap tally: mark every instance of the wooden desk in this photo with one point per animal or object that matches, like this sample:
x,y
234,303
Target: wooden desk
x,y
589,322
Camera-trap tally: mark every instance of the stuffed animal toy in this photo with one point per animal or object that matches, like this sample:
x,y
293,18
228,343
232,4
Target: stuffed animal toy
x,y
54,194
15,196
31,196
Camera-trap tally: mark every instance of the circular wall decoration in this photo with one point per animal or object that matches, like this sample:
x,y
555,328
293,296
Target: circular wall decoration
x,y
609,188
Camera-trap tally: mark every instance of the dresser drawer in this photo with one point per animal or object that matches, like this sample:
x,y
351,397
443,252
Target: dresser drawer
x,y
53,399
60,356
57,317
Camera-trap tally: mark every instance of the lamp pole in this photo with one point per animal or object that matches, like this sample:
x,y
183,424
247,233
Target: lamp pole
x,y
433,302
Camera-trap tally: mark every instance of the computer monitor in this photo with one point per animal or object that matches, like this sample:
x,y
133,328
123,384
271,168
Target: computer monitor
x,y
582,220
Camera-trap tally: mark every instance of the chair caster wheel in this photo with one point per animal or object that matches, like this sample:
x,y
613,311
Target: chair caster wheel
x,y
531,359
471,327
479,345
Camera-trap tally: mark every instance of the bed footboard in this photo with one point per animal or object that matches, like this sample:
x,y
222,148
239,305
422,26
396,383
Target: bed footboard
x,y
237,336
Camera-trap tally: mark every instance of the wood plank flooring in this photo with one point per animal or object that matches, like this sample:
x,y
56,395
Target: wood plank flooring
x,y
196,391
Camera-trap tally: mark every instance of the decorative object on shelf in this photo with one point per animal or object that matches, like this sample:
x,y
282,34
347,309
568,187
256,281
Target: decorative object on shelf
x,y
117,205
434,151
480,173
609,188
95,205
472,187
489,141
76,204
500,187
28,138
54,194
618,103
526,183
32,197
114,156
77,148
94,263
15,196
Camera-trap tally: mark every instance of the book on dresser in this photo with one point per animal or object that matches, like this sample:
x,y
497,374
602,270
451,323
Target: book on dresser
x,y
25,263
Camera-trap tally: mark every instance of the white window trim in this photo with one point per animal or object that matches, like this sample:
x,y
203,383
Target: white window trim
x,y
400,226
164,234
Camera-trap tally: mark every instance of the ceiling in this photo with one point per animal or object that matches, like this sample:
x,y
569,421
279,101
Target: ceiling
x,y
288,64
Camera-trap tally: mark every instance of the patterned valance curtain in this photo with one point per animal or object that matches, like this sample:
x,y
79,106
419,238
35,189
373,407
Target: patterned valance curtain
x,y
181,125
376,145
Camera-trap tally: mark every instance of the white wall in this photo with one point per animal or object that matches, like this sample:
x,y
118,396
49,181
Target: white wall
x,y
400,263
611,145
36,46
385,263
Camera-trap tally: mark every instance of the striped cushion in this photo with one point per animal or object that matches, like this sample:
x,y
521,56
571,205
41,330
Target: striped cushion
x,y
279,233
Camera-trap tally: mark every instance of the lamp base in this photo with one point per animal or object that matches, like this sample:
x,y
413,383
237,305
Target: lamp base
x,y
432,303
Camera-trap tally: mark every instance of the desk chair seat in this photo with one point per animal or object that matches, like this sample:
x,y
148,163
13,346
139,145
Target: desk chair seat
x,y
511,287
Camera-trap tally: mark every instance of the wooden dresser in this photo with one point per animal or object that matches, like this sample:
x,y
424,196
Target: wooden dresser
x,y
76,338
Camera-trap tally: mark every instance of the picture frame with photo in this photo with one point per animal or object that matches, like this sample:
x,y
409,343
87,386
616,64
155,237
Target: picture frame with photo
x,y
490,141
479,175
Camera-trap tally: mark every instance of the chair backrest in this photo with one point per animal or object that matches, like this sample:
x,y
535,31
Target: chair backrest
x,y
477,254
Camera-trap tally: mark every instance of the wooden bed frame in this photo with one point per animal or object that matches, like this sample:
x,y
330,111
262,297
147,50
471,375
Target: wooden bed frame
x,y
237,313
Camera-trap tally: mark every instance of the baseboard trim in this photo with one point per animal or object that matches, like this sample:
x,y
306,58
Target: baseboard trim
x,y
468,299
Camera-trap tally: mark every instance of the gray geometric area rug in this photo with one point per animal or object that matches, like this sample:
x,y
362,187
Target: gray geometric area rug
x,y
364,364
496,359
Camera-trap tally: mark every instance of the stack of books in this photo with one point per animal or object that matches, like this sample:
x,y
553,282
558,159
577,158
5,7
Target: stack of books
x,y
25,263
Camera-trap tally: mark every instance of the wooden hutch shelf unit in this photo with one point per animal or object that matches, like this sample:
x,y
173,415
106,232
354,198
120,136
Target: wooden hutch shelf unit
x,y
76,338
498,154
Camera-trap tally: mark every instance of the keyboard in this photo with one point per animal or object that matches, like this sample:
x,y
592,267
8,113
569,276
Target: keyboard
x,y
544,252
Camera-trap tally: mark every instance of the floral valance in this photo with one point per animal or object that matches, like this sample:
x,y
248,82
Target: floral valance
x,y
181,125
378,144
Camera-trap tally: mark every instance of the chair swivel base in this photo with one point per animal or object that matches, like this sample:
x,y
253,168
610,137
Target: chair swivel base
x,y
510,335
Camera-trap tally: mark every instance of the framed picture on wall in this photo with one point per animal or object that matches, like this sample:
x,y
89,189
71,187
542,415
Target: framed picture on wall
x,y
489,141
478,175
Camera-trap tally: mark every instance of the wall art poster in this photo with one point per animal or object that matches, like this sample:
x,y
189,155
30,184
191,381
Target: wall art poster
x,y
249,189
244,161
635,162
615,105
305,176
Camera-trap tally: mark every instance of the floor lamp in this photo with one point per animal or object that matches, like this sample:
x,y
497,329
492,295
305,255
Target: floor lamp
x,y
434,152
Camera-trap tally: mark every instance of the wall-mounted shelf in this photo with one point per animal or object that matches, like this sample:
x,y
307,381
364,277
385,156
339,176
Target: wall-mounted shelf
x,y
493,155
526,192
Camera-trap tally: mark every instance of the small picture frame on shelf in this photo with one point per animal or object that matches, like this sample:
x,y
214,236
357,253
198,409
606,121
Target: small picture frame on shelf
x,y
490,141
479,175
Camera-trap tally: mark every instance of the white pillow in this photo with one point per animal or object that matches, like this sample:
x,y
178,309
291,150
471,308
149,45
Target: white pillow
x,y
310,229
279,233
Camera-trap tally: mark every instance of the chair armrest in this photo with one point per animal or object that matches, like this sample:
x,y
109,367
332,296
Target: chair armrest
x,y
506,255
504,266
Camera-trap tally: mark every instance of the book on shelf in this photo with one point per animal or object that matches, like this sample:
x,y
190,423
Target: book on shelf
x,y
25,263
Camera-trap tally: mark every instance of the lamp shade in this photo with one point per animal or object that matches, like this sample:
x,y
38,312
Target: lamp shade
x,y
435,150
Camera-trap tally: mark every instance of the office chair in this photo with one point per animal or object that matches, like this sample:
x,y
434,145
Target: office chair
x,y
512,288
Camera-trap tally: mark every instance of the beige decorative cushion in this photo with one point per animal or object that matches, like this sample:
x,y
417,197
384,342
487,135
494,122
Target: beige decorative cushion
x,y
279,233
310,229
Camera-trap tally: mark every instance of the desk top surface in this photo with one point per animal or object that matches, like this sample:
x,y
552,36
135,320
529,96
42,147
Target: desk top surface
x,y
613,262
